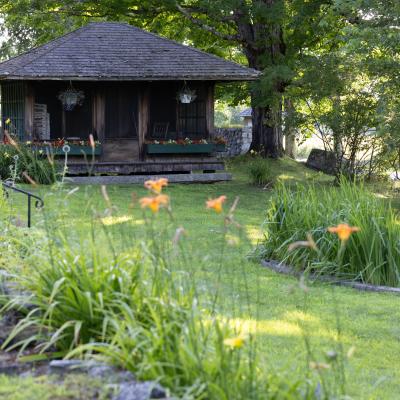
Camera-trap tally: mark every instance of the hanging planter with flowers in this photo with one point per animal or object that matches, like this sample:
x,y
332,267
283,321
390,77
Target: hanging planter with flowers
x,y
70,98
186,95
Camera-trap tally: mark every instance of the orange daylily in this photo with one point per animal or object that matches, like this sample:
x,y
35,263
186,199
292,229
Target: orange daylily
x,y
154,203
343,231
216,204
156,186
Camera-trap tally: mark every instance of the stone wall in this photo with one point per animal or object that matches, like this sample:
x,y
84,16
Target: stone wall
x,y
238,140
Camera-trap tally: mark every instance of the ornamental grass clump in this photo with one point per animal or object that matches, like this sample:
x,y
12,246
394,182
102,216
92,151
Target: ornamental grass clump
x,y
371,255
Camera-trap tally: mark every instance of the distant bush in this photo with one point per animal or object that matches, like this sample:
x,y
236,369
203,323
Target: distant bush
x,y
371,255
259,172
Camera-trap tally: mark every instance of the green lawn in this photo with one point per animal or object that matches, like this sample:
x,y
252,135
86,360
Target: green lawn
x,y
277,308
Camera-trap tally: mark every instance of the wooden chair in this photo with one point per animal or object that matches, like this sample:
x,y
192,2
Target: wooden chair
x,y
160,130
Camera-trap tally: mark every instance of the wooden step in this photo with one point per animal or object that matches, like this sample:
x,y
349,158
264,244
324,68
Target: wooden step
x,y
143,168
140,179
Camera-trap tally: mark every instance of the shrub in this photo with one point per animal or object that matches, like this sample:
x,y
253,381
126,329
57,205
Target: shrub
x,y
371,255
259,172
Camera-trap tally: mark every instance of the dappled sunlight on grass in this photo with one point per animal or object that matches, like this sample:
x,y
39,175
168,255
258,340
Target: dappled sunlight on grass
x,y
116,220
279,327
254,233
292,323
285,177
113,220
294,327
301,316
272,327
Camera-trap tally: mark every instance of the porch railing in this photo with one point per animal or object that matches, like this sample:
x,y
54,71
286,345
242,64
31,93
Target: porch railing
x,y
39,203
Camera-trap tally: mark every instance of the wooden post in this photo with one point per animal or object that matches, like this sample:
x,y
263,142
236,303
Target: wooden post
x,y
210,109
99,114
144,115
29,110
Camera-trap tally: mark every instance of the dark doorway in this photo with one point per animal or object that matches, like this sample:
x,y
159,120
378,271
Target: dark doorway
x,y
121,111
121,122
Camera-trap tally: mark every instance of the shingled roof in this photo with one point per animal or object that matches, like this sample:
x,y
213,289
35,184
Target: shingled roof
x,y
117,51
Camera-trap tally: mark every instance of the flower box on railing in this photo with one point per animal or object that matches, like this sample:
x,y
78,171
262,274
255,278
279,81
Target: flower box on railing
x,y
220,147
74,150
77,150
179,148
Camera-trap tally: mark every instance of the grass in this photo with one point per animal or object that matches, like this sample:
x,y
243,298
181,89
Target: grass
x,y
74,387
370,322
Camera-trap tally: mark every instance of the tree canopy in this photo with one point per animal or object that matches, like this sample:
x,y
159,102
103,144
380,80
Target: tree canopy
x,y
303,48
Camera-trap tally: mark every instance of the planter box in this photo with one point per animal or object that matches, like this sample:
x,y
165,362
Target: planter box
x,y
75,150
220,147
179,148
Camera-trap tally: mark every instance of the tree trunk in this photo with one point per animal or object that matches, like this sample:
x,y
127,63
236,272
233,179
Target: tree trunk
x,y
290,134
267,132
267,117
290,144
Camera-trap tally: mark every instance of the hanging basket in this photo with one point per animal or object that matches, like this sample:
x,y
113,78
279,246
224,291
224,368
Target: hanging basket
x,y
187,96
70,98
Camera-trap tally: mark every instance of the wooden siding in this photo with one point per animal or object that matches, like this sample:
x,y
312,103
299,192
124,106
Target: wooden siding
x,y
99,114
210,109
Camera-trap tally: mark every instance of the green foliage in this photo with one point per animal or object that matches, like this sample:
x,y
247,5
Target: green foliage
x,y
17,162
371,255
259,172
226,116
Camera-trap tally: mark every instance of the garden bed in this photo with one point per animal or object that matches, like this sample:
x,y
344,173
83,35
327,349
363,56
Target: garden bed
x,y
281,268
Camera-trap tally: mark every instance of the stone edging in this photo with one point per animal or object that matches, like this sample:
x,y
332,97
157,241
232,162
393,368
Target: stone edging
x,y
287,270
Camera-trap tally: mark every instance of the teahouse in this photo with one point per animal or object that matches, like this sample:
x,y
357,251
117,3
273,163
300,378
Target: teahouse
x,y
148,101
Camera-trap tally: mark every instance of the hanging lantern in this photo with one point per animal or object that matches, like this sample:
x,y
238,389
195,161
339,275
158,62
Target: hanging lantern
x,y
70,98
186,96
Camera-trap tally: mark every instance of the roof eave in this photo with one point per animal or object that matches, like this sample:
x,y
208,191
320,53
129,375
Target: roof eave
x,y
228,78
